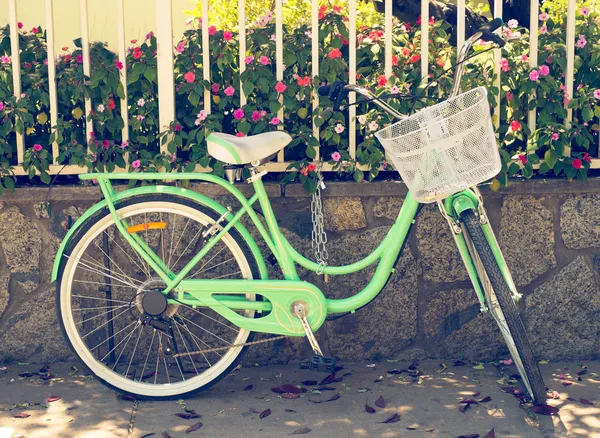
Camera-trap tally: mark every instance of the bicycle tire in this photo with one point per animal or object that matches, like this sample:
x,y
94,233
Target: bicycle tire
x,y
103,213
507,307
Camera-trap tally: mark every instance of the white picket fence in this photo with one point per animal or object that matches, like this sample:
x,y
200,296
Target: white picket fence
x,y
164,35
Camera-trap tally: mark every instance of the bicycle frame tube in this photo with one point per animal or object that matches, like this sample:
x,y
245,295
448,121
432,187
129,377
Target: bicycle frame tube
x,y
386,253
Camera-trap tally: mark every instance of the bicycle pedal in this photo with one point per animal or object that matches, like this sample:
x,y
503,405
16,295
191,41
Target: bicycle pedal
x,y
321,364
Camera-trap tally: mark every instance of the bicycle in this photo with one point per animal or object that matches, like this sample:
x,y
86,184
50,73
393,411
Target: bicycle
x,y
161,289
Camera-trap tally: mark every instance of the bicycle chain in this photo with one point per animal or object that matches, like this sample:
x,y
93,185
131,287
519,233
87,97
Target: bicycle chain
x,y
244,344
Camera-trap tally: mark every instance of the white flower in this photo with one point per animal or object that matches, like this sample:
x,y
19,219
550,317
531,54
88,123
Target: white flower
x,y
308,33
273,37
373,126
362,119
100,108
141,102
339,128
512,24
197,122
394,90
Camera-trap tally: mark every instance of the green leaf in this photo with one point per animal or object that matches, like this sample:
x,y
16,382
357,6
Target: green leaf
x,y
247,88
587,114
359,175
45,178
274,106
194,99
120,91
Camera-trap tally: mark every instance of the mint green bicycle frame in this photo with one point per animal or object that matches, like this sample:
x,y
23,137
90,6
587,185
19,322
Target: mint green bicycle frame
x,y
225,296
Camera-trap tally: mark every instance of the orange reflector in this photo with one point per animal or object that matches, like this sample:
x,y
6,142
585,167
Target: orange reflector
x,y
148,226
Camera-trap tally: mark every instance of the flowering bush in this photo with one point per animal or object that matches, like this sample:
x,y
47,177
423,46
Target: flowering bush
x,y
556,148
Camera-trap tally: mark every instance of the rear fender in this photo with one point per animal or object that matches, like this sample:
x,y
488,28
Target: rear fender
x,y
175,191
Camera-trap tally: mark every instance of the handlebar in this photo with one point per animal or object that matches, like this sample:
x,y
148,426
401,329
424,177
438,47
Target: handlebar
x,y
339,90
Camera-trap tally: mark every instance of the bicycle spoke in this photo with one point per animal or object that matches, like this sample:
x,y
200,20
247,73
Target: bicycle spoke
x,y
96,264
81,262
116,265
235,329
129,257
115,334
186,347
171,244
134,350
158,354
226,275
207,331
95,308
98,328
213,267
196,339
104,284
100,299
209,260
100,314
126,339
178,242
187,247
148,354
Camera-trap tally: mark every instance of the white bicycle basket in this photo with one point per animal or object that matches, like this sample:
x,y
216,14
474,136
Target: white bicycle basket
x,y
446,148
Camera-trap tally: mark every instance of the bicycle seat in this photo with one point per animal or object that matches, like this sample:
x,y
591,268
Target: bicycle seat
x,y
243,150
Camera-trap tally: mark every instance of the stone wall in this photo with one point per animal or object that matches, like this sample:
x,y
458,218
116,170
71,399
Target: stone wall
x,y
549,232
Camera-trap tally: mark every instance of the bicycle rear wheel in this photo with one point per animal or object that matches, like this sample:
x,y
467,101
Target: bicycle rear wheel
x,y
124,345
502,306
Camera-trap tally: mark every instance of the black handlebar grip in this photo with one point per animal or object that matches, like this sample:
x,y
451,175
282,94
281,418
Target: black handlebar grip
x,y
324,90
492,25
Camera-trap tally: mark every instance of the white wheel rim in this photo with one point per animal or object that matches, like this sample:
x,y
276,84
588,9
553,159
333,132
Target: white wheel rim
x,y
98,368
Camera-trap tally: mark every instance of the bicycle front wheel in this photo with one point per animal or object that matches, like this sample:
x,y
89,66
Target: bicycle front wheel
x,y
502,307
108,296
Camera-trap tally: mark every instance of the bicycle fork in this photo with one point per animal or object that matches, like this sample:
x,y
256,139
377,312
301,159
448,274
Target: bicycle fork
x,y
451,209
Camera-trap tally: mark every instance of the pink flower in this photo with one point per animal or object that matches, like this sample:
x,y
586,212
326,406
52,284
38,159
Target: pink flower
x,y
136,164
555,136
239,134
515,125
124,144
544,70
1,106
255,116
280,87
20,25
215,88
504,65
105,144
202,115
229,91
137,53
579,87
46,61
149,35
334,53
534,75
512,24
381,80
507,361
509,95
274,121
394,90
339,128
5,59
264,60
584,11
597,93
577,164
249,59
181,46
119,65
549,60
543,29
523,159
336,156
581,42
37,147
524,58
586,158
543,16
263,113
79,59
562,87
238,114
227,35
189,77
212,30
34,30
140,118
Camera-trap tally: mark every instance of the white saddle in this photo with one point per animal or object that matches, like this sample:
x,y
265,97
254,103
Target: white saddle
x,y
243,150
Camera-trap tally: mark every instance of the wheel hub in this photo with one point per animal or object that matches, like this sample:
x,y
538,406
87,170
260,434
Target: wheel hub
x,y
152,302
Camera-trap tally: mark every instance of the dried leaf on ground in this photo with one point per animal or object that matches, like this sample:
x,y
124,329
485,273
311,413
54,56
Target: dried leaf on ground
x,y
380,402
265,413
166,435
22,415
392,419
485,399
335,397
148,435
566,383
369,409
586,402
302,431
290,395
543,409
582,372
287,388
187,415
473,435
490,434
53,398
248,388
193,428
254,411
512,390
290,410
310,383
127,397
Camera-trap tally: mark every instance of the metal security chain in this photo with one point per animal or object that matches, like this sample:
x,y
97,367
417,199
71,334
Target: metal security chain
x,y
243,344
319,237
